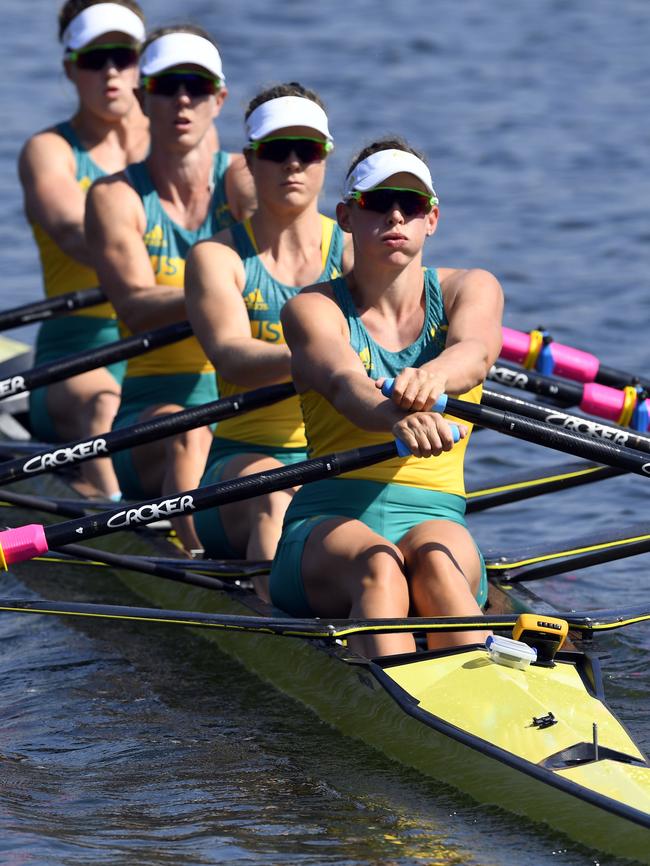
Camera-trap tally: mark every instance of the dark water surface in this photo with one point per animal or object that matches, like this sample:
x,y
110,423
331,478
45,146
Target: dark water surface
x,y
138,745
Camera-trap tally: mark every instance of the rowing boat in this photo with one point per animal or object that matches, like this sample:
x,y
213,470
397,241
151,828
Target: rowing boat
x,y
539,742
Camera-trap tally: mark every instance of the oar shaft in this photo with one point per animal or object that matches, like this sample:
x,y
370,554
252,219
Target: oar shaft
x,y
50,308
550,436
556,417
26,542
591,397
537,348
139,434
120,350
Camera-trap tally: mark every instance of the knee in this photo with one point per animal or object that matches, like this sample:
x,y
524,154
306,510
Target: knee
x,y
189,442
384,576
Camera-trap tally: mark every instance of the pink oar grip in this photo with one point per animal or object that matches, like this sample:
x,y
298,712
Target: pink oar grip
x,y
515,345
23,543
602,401
573,363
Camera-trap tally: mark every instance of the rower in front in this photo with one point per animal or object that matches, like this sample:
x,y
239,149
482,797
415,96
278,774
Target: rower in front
x,y
390,538
141,224
108,130
236,286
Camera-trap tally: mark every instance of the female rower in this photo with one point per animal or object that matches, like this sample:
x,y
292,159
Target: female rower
x,y
108,130
236,285
142,223
389,538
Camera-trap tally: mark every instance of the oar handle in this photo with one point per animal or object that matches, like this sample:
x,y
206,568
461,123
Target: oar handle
x,y
439,406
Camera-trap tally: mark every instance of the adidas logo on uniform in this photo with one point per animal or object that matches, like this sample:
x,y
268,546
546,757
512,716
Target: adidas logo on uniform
x,y
255,301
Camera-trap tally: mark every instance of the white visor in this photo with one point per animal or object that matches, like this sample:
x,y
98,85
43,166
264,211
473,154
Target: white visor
x,y
286,111
95,21
370,172
181,49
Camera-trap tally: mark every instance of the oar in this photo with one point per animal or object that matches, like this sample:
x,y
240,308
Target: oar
x,y
37,311
26,542
557,417
120,350
537,349
61,456
318,629
625,408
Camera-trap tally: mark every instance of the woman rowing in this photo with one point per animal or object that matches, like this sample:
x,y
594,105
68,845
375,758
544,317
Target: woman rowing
x,y
236,286
390,538
142,223
108,130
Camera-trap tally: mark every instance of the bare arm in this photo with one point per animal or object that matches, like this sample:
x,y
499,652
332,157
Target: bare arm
x,y
474,305
240,188
214,285
115,225
323,360
53,198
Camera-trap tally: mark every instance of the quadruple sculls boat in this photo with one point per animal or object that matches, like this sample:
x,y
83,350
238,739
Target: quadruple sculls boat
x,y
521,723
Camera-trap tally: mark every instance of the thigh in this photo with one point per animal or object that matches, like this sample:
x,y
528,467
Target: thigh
x,y
447,541
338,555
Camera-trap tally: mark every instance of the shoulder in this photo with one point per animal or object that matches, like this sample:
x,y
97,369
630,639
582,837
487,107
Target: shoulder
x,y
214,263
465,283
46,149
313,307
113,202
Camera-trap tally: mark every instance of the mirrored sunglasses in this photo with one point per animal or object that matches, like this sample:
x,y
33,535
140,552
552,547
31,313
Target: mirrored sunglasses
x,y
280,148
119,56
381,199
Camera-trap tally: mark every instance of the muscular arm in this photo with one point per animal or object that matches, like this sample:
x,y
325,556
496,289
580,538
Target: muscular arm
x,y
214,283
474,304
115,225
53,198
323,360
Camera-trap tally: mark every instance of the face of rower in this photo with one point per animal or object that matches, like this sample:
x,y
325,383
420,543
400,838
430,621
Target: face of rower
x,y
291,184
106,92
393,237
182,120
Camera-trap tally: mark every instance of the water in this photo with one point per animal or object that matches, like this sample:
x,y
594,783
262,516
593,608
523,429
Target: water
x,y
138,745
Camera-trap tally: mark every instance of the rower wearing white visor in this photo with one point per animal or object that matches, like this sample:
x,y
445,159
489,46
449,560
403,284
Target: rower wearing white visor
x,y
236,286
389,538
101,43
142,223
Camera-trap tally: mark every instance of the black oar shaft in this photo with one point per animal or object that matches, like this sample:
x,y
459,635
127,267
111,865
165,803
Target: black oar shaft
x,y
73,365
140,434
233,490
38,311
550,436
561,390
587,426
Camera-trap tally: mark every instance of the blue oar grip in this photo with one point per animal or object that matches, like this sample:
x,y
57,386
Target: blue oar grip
x,y
439,406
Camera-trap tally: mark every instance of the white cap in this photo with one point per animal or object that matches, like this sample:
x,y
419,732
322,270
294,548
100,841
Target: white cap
x,y
286,111
95,21
178,49
374,169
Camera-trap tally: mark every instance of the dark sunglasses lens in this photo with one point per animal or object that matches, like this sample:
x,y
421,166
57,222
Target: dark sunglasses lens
x,y
169,85
279,149
382,200
96,59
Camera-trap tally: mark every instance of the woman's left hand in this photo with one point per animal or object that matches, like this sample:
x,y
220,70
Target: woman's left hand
x,y
416,389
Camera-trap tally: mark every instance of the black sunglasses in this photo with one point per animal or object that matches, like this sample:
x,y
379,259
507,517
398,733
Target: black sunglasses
x,y
120,56
280,149
169,83
411,202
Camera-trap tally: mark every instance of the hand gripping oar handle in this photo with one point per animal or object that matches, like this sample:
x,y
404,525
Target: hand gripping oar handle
x,y
120,350
439,406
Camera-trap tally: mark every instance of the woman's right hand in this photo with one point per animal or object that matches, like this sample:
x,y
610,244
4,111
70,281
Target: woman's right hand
x,y
426,434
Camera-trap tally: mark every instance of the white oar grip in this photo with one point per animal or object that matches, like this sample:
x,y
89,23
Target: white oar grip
x,y
439,406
